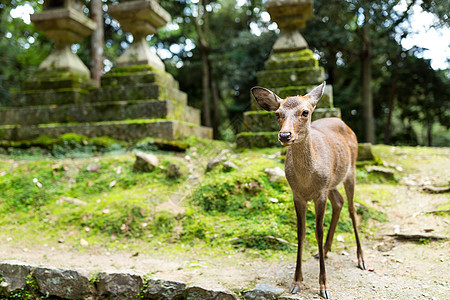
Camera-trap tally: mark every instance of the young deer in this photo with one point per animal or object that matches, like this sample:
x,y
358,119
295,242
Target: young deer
x,y
321,155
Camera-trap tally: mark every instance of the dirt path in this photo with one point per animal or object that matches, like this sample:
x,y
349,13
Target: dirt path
x,y
398,270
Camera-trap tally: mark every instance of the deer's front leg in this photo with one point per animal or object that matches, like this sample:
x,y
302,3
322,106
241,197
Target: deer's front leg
x,y
300,209
320,207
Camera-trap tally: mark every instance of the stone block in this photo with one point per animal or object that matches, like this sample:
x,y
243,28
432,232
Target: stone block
x,y
13,276
49,97
162,289
88,112
195,292
146,91
280,61
122,76
63,283
127,130
261,120
365,152
114,285
320,113
257,139
291,77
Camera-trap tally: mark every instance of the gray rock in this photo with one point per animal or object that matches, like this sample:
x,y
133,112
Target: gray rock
x,y
387,173
13,275
229,166
93,167
195,292
114,285
173,171
275,174
263,291
214,163
64,283
145,162
162,289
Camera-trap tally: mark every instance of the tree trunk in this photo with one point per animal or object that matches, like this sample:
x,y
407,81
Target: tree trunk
x,y
97,41
205,87
215,98
367,80
387,127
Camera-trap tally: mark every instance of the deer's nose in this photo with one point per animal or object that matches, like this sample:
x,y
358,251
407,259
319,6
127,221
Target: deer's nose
x,y
284,137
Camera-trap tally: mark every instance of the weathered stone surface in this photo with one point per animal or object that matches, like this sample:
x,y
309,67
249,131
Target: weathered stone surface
x,y
162,289
128,130
214,163
263,291
387,173
13,275
289,77
365,152
202,293
145,162
49,97
275,174
229,166
126,76
67,284
257,139
173,171
114,285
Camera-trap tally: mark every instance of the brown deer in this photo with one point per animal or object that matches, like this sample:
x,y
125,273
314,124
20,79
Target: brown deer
x,y
321,155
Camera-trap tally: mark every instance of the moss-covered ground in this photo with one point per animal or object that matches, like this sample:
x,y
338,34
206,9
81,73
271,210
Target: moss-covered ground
x,y
217,211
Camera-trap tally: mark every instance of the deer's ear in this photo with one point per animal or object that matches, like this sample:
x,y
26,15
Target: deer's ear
x,y
267,99
314,96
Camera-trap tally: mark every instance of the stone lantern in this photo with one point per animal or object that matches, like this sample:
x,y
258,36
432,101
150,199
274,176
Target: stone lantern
x,y
291,70
140,18
64,22
290,15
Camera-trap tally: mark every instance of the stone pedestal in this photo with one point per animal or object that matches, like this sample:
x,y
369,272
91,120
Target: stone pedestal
x,y
291,70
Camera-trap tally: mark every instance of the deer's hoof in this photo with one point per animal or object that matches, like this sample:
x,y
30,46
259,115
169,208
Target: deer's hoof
x,y
295,288
325,294
362,265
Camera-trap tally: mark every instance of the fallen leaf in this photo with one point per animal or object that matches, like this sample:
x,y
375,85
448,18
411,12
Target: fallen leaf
x,y
105,211
61,240
274,200
345,253
340,238
428,229
135,254
371,269
123,227
112,184
84,243
87,229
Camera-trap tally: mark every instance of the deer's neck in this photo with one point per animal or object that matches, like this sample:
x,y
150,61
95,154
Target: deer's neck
x,y
303,155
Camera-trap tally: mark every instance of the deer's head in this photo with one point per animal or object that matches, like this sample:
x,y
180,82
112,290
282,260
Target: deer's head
x,y
293,113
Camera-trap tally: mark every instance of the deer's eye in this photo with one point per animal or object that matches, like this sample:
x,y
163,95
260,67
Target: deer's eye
x,y
305,113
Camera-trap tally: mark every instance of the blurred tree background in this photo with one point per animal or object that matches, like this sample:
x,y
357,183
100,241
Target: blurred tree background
x,y
215,47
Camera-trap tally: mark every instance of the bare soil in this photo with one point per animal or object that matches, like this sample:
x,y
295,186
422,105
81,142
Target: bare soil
x,y
396,269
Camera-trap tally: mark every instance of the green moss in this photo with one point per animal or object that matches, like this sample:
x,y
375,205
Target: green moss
x,y
257,139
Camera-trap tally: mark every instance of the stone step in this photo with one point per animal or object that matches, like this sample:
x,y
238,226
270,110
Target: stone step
x,y
96,112
128,130
120,77
291,60
291,77
147,91
264,121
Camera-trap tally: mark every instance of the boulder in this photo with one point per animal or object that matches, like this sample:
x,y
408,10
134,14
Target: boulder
x,y
214,163
263,291
163,289
13,275
63,283
114,285
229,166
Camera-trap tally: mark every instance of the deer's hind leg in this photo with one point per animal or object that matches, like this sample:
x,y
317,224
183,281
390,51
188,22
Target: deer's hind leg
x,y
349,185
336,203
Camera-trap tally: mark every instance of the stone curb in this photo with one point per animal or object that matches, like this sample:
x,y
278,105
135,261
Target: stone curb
x,y
19,280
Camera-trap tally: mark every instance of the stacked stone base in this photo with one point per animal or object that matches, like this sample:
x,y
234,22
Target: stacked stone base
x,y
133,103
286,74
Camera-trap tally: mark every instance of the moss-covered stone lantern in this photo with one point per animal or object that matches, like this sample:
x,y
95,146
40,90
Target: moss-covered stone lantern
x,y
64,22
140,18
290,70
